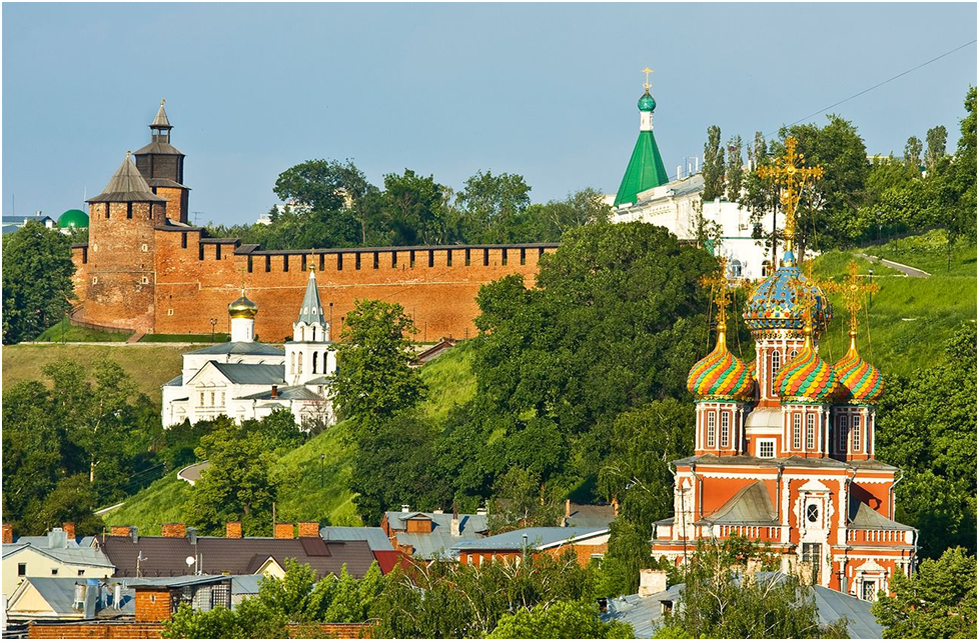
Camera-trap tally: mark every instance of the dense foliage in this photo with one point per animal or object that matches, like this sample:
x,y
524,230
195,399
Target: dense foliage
x,y
37,286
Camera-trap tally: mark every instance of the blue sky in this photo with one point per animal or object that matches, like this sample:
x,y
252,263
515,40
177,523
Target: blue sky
x,y
544,90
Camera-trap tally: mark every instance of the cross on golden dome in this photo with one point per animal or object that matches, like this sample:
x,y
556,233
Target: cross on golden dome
x,y
852,291
718,284
646,84
790,173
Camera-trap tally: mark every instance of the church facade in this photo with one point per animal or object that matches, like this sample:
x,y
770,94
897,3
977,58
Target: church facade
x,y
245,379
784,446
146,269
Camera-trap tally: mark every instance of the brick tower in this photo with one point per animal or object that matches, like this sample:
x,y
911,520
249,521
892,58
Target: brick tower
x,y
121,275
162,165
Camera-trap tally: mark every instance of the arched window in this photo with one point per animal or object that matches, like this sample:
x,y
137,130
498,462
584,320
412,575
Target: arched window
x,y
776,365
292,362
810,431
856,432
299,362
725,429
796,431
842,425
735,269
316,356
710,428
793,354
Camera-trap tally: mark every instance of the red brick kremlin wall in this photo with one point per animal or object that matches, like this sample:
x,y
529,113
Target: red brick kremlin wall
x,y
193,278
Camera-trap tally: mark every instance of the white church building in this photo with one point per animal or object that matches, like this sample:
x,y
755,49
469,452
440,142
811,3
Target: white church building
x,y
244,379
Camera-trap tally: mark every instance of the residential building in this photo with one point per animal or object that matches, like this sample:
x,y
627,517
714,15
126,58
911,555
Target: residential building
x,y
431,535
587,544
12,223
58,554
69,599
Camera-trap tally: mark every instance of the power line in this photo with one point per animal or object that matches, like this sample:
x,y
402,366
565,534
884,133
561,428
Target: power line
x,y
880,84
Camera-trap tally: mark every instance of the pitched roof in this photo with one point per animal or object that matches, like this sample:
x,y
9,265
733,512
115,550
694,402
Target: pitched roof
x,y
161,119
164,556
158,147
311,311
537,538
590,516
251,374
440,541
862,516
242,348
76,555
290,393
750,505
645,171
375,536
59,593
127,185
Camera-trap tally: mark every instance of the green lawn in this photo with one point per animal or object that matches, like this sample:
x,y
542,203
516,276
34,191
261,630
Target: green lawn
x,y
316,475
65,331
184,338
928,252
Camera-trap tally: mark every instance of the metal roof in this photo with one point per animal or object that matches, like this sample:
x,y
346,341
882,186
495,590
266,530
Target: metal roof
x,y
375,536
311,310
76,555
751,505
20,220
290,393
865,517
440,541
590,516
165,182
161,119
251,374
127,185
244,348
176,381
59,593
537,537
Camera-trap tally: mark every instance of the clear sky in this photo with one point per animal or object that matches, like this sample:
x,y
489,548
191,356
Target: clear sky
x,y
548,91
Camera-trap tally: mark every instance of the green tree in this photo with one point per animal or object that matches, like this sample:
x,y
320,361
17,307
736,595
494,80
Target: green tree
x,y
548,222
491,206
413,208
912,154
562,620
522,501
72,500
937,602
957,211
37,281
734,173
239,484
937,141
713,165
374,380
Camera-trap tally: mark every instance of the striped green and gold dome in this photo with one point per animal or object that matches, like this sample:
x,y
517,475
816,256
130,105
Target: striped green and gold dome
x,y
720,375
860,382
807,378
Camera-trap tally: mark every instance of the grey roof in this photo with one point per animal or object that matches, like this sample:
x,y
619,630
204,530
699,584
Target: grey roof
x,y
161,119
788,461
176,381
165,182
74,555
863,516
320,380
375,536
245,583
751,505
311,311
158,147
290,393
127,185
537,537
590,515
176,581
10,229
252,348
20,220
59,592
439,542
252,374
645,613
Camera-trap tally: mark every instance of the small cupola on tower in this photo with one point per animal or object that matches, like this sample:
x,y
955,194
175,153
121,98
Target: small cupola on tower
x,y
310,354
646,169
162,165
242,312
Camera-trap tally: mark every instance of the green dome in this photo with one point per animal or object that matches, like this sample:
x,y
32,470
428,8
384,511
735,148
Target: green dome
x,y
646,103
73,218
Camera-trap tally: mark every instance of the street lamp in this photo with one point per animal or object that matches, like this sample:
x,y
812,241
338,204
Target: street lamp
x,y
213,322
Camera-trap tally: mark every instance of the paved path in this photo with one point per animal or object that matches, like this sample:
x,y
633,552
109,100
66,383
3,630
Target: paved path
x,y
192,473
904,269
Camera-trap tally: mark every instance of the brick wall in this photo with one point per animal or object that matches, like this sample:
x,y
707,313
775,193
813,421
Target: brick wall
x,y
233,530
284,531
173,530
193,281
309,528
152,605
119,530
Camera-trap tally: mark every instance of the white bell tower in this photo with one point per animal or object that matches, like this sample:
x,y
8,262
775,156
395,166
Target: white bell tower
x,y
310,354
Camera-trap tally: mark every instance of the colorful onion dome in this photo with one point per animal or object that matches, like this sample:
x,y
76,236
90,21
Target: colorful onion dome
x,y
807,378
721,375
776,302
646,102
860,382
242,308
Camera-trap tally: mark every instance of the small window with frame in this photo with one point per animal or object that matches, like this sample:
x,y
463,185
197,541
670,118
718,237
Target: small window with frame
x,y
766,448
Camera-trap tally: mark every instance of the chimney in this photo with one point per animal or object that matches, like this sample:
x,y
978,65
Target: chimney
x,y
405,508
92,590
567,510
481,511
284,531
309,528
134,534
119,530
233,530
275,391
8,533
455,530
57,539
192,535
69,529
651,581
174,530
615,506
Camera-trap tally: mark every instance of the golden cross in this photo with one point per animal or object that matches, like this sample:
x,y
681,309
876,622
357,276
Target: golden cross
x,y
790,172
852,292
807,293
717,282
646,84
243,281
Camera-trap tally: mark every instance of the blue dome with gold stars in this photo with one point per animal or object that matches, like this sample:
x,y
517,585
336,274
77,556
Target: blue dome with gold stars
x,y
776,302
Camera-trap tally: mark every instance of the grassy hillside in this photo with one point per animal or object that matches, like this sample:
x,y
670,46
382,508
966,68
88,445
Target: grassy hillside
x,y
316,475
909,319
150,366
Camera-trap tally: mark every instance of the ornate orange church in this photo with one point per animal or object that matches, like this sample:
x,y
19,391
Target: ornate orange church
x,y
784,451
146,269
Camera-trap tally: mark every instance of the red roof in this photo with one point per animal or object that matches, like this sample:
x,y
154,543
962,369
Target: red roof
x,y
390,559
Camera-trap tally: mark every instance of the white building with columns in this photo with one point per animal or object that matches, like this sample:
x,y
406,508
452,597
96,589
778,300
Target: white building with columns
x,y
244,379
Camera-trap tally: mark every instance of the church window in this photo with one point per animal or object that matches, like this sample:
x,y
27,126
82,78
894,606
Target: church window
x,y
842,423
776,365
869,591
299,363
292,363
812,513
856,432
793,353
735,270
810,432
710,428
316,357
725,428
796,431
766,448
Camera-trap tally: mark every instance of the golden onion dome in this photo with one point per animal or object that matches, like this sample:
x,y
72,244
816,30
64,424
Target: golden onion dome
x,y
242,308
